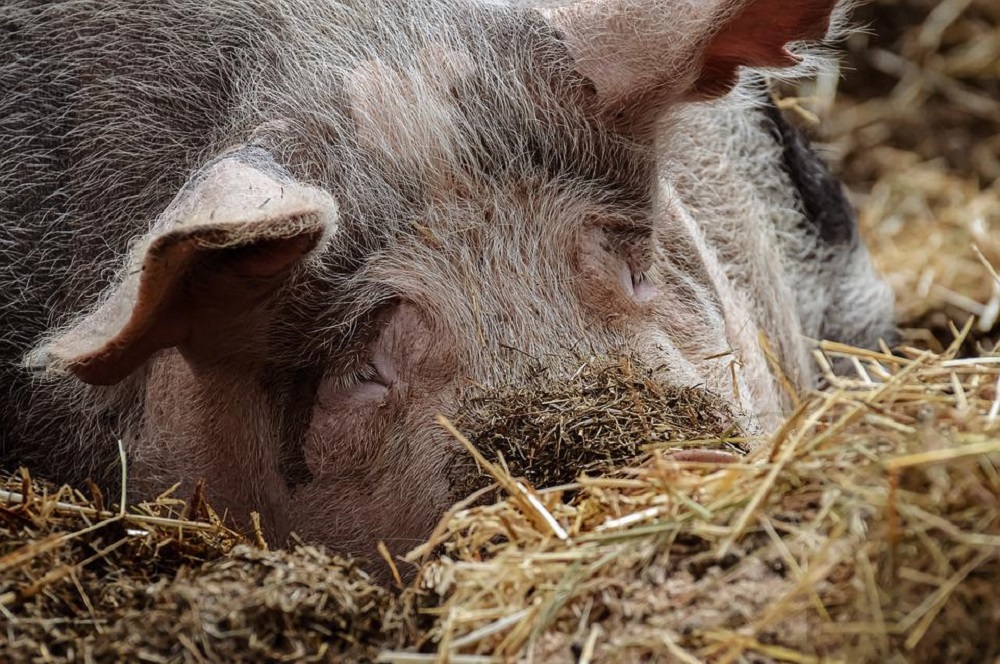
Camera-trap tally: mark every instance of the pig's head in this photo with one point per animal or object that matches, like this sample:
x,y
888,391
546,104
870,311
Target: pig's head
x,y
397,226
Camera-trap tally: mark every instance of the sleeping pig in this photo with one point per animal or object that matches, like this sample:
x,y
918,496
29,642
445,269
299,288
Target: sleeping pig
x,y
265,244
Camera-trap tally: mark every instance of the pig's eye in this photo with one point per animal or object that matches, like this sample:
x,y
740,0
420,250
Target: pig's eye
x,y
367,383
636,283
629,244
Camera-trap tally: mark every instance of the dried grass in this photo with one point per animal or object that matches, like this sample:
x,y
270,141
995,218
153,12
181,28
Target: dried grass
x,y
550,431
166,581
869,528
866,530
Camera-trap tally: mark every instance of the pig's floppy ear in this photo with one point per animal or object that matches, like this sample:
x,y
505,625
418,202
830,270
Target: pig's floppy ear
x,y
228,240
640,54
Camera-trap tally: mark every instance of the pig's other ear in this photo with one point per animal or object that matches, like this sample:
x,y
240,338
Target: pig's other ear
x,y
230,238
643,54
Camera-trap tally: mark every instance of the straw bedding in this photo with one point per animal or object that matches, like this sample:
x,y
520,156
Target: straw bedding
x,y
866,529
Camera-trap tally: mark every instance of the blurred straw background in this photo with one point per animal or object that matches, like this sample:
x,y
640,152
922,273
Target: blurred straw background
x,y
913,127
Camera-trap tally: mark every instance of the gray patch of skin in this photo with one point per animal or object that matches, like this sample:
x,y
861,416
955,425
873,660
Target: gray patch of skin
x,y
826,209
860,311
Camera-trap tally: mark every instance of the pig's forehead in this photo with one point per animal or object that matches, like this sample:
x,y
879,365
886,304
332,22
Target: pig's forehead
x,y
470,114
476,93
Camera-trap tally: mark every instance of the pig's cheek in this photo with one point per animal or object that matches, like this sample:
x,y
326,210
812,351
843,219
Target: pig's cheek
x,y
347,427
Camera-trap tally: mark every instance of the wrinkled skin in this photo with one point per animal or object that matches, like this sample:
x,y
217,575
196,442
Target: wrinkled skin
x,y
265,245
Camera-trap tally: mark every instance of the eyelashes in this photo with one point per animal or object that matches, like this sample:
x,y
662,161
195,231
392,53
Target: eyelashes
x,y
628,245
359,375
366,373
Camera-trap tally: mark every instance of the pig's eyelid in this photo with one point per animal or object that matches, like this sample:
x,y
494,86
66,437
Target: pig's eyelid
x,y
366,373
362,373
612,224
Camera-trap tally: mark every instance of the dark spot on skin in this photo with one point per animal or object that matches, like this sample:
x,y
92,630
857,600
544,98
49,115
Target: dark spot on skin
x,y
296,400
826,208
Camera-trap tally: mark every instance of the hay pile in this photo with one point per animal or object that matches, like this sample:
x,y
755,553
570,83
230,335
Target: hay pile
x,y
869,528
166,581
866,530
549,431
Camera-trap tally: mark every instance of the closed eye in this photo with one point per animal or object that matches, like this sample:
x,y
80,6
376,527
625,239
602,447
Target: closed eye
x,y
367,382
637,284
360,374
628,241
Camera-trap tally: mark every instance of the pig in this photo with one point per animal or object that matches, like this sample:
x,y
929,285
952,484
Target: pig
x,y
265,244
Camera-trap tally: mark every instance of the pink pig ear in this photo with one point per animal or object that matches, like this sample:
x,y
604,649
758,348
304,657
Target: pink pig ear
x,y
642,54
229,239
